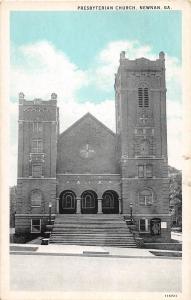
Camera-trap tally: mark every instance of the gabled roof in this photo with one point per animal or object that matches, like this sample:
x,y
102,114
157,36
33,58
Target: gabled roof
x,y
86,116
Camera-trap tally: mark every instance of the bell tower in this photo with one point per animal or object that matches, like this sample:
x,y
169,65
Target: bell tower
x,y
140,97
37,152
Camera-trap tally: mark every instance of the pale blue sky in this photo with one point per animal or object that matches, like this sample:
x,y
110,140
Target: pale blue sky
x,y
82,34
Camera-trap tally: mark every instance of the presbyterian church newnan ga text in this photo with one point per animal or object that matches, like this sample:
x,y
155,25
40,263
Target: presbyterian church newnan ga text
x,y
89,169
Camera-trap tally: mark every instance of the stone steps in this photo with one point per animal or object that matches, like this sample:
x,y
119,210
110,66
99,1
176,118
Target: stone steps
x,y
86,225
63,232
93,236
92,230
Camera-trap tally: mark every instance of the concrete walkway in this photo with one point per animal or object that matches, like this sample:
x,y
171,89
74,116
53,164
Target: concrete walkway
x,y
77,250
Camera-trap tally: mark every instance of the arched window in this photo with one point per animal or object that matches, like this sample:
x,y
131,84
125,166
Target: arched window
x,y
36,198
146,197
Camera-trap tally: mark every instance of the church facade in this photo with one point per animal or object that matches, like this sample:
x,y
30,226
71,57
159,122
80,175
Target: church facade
x,y
88,169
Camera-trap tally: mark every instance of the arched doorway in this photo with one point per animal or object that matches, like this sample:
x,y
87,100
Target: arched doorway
x,y
110,202
67,202
89,202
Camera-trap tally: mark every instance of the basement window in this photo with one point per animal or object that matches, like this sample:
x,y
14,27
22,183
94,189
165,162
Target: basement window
x,y
35,225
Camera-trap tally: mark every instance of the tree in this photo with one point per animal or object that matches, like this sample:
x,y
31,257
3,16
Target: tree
x,y
175,195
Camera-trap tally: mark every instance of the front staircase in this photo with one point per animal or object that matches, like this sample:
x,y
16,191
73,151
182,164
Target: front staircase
x,y
92,230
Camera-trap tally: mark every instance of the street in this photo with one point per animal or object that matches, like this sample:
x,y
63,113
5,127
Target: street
x,y
100,274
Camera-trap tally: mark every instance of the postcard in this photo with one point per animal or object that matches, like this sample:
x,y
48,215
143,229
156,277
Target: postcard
x,y
95,149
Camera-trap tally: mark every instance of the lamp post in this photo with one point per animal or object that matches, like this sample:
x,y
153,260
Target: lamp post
x,y
131,213
50,207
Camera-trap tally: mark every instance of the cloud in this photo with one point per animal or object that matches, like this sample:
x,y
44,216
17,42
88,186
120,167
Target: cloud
x,y
43,69
107,62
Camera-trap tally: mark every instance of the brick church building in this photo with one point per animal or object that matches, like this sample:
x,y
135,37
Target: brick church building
x,y
89,169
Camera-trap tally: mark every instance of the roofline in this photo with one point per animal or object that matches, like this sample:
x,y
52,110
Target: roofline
x,y
83,117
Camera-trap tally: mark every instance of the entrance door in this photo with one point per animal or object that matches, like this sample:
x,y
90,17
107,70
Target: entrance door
x,y
67,203
110,203
89,202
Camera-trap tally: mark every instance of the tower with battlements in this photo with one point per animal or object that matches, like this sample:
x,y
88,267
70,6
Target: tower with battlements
x,y
141,129
37,153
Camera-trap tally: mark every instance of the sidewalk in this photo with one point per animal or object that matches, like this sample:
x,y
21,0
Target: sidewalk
x,y
77,250
176,236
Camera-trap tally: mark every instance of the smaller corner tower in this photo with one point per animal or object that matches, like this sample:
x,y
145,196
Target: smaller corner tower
x,y
37,152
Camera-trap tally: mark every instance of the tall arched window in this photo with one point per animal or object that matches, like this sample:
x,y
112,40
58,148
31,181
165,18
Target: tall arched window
x,y
36,198
146,197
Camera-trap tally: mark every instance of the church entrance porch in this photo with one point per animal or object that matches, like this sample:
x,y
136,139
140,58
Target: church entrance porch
x,y
89,202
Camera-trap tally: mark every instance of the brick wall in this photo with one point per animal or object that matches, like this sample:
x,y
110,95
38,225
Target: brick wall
x,y
80,183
